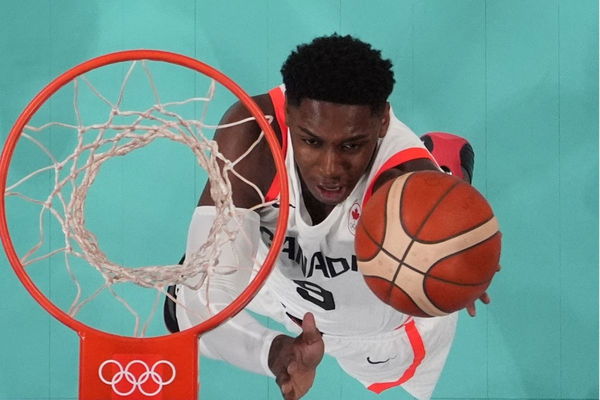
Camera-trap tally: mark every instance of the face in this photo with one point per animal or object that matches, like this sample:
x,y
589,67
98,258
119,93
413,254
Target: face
x,y
333,145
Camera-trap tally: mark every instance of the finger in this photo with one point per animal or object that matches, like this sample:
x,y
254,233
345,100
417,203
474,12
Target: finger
x,y
310,333
282,380
287,391
286,386
485,298
471,309
308,322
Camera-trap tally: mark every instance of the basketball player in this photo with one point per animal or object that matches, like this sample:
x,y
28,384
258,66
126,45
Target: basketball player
x,y
341,142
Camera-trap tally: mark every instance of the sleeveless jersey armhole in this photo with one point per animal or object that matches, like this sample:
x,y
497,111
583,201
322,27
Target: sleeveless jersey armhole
x,y
278,99
412,153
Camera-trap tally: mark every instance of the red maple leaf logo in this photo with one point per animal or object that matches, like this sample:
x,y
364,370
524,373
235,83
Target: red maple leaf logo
x,y
355,214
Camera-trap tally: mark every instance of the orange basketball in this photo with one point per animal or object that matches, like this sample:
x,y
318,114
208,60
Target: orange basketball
x,y
427,243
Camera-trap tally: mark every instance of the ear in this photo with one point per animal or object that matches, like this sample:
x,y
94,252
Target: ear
x,y
286,108
385,120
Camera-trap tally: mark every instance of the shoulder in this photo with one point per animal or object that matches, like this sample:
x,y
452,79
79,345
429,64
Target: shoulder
x,y
245,132
399,146
400,151
239,140
238,111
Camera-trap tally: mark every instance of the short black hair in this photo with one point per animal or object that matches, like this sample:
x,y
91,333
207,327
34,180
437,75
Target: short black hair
x,y
338,69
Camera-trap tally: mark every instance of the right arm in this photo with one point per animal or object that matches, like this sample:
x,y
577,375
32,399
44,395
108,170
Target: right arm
x,y
251,339
291,360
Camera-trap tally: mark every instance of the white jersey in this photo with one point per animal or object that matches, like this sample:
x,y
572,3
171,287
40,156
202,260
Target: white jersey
x,y
317,270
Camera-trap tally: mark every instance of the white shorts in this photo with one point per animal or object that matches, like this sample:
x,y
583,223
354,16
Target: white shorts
x,y
412,356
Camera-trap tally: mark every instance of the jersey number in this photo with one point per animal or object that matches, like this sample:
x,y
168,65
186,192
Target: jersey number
x,y
316,295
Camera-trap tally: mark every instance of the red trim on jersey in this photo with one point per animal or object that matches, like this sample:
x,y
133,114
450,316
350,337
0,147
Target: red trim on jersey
x,y
278,100
401,157
418,348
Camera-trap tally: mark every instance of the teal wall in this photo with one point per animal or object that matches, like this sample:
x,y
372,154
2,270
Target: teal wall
x,y
518,78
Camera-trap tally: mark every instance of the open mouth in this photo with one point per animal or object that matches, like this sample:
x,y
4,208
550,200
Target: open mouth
x,y
331,193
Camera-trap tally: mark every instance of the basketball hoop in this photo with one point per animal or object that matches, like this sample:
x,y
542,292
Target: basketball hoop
x,y
116,366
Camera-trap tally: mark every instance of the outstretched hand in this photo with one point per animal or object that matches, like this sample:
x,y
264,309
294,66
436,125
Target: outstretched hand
x,y
485,299
294,360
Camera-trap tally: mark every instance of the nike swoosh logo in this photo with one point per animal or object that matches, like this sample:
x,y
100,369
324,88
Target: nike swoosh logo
x,y
377,362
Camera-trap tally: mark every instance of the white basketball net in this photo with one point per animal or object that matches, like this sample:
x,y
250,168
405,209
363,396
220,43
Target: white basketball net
x,y
74,174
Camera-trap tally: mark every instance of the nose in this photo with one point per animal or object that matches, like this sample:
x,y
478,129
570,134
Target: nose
x,y
330,164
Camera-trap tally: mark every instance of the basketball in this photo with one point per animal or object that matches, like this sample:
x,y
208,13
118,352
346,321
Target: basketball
x,y
427,243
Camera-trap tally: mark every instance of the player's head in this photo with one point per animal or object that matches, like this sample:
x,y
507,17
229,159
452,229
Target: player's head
x,y
338,69
453,153
337,110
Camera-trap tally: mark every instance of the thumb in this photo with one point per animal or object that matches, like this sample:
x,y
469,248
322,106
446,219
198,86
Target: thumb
x,y
310,333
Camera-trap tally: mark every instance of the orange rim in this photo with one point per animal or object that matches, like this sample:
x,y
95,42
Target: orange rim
x,y
154,55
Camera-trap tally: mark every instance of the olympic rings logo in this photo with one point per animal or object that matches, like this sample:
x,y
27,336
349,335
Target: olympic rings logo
x,y
136,382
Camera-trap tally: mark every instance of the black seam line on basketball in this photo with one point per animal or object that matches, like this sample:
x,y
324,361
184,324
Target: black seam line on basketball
x,y
408,296
378,245
458,233
429,213
428,275
387,195
413,239
393,257
435,278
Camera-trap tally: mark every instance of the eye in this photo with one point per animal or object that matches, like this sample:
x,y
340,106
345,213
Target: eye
x,y
310,141
351,146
